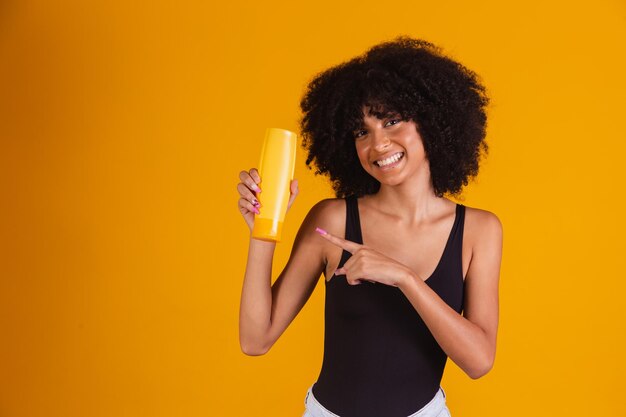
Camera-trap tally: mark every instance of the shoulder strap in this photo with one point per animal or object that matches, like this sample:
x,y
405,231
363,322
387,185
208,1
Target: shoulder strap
x,y
459,223
353,222
353,226
453,253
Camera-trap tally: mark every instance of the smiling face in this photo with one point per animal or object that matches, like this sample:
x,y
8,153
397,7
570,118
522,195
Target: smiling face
x,y
390,149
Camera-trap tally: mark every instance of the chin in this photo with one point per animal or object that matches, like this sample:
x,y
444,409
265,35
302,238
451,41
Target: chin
x,y
396,180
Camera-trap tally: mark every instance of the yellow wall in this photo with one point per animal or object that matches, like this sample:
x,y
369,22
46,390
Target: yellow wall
x,y
123,128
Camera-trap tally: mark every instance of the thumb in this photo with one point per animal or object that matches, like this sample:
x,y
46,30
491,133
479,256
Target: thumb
x,y
294,190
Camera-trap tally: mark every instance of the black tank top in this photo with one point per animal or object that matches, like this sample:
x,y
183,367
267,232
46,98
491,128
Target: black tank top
x,y
380,359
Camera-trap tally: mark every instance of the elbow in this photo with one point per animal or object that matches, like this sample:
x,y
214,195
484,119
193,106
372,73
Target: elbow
x,y
253,349
254,342
481,369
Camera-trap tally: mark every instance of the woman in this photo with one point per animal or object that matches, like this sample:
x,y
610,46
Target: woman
x,y
411,276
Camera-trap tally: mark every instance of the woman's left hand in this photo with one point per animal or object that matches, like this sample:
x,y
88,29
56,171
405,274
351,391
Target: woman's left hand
x,y
367,264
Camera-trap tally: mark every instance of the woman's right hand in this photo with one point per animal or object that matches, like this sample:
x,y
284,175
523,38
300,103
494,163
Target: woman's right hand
x,y
249,190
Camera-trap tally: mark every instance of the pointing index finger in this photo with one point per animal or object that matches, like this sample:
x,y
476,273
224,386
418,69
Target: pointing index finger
x,y
337,241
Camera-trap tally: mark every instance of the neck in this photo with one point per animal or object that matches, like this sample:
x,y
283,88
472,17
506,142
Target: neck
x,y
412,202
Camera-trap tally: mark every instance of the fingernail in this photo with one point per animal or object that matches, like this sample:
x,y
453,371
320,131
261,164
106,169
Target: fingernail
x,y
256,210
255,202
256,188
321,231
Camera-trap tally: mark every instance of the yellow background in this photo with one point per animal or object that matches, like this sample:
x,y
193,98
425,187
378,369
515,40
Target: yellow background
x,y
124,126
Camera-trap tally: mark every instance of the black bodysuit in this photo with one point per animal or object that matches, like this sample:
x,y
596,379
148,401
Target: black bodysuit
x,y
380,359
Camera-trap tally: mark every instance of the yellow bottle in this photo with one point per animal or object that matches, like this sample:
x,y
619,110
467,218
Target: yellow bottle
x,y
278,160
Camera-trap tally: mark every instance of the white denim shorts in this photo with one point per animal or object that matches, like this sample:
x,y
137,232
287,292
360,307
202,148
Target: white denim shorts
x,y
435,407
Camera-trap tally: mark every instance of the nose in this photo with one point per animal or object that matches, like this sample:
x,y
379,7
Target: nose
x,y
381,141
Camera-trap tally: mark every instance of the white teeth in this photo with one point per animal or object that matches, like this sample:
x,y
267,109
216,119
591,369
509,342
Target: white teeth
x,y
389,160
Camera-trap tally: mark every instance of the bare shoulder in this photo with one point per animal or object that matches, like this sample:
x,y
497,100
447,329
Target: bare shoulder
x,y
482,224
484,232
328,214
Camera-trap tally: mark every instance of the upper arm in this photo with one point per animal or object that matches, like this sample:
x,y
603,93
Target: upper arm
x,y
296,283
481,282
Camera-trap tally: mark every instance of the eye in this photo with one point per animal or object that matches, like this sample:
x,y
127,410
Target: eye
x,y
359,133
392,122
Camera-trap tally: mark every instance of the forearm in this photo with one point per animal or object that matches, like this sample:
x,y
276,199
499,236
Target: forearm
x,y
463,341
256,298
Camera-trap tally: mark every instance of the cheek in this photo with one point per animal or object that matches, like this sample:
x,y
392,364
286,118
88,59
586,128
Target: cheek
x,y
361,153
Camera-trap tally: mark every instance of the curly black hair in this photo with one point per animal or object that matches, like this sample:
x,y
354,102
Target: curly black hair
x,y
405,76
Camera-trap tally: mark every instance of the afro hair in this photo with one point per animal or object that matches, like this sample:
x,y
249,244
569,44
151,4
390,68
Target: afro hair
x,y
408,77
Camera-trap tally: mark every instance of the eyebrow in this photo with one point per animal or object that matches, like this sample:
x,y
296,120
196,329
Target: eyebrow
x,y
383,113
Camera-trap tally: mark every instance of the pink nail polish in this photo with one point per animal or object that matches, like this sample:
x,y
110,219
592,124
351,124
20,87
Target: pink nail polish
x,y
256,210
321,231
